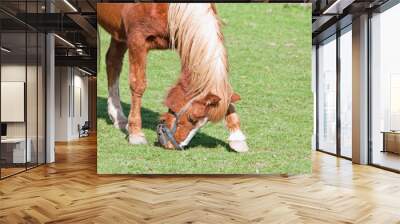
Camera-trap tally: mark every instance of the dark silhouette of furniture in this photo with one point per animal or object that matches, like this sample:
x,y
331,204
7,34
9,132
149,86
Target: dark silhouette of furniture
x,y
84,129
391,141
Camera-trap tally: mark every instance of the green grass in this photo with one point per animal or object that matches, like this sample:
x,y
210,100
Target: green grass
x,y
269,49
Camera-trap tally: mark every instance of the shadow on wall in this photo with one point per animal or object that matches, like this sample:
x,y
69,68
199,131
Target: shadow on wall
x,y
150,120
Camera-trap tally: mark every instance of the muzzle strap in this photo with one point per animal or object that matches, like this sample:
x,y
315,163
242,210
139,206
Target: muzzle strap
x,y
165,134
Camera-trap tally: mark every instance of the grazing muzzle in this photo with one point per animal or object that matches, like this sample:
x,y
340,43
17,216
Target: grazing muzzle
x,y
165,134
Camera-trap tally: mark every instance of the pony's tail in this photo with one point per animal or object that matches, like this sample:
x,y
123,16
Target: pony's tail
x,y
195,32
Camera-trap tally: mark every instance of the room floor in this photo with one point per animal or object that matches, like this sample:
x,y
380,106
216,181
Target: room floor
x,y
8,171
387,159
11,170
70,191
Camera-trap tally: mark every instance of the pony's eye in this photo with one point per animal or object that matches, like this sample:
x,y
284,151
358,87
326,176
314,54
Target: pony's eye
x,y
190,119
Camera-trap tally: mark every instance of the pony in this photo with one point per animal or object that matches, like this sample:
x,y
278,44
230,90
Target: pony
x,y
202,93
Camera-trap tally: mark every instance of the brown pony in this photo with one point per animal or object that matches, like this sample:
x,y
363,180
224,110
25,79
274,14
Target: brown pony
x,y
202,93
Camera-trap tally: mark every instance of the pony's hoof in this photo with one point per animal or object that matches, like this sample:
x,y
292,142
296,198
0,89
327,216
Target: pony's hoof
x,y
137,139
239,146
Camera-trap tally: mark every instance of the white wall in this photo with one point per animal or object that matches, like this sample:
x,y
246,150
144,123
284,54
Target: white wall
x,y
62,81
80,84
70,83
14,73
33,126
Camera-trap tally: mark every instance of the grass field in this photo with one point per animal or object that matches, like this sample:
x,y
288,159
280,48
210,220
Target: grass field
x,y
269,49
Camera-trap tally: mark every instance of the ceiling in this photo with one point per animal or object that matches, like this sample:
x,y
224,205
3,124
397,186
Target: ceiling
x,y
74,22
39,6
330,15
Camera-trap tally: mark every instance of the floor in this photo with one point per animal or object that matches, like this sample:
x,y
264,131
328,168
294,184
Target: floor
x,y
70,191
388,159
10,171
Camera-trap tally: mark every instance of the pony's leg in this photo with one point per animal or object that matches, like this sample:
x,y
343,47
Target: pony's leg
x,y
237,140
114,58
137,81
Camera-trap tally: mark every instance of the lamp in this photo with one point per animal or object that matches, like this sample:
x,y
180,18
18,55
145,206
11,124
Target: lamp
x,y
84,71
337,7
5,50
64,40
70,5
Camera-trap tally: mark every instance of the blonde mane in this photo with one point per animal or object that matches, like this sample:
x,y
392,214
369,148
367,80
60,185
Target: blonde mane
x,y
195,33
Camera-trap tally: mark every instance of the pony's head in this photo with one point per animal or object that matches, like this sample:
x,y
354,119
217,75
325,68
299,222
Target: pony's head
x,y
203,92
185,117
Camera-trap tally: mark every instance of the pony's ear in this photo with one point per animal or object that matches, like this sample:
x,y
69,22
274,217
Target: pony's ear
x,y
199,107
235,97
211,100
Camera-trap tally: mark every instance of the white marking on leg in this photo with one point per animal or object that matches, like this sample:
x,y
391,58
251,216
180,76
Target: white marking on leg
x,y
237,135
237,141
114,107
137,139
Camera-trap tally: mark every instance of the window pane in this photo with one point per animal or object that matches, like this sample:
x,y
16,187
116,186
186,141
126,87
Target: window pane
x,y
41,98
327,96
386,89
346,93
14,153
31,97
